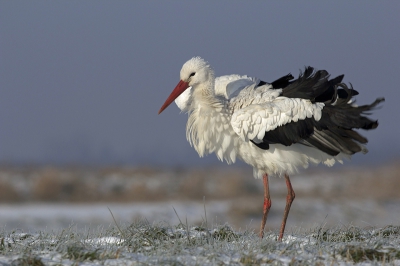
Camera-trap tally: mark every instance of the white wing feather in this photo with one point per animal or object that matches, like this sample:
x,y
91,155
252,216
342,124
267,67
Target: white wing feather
x,y
230,85
261,109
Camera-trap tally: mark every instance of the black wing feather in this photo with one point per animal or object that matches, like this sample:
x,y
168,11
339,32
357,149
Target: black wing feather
x,y
334,132
282,82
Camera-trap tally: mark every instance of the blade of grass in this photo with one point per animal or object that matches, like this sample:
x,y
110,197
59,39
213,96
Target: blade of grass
x,y
180,222
116,224
209,238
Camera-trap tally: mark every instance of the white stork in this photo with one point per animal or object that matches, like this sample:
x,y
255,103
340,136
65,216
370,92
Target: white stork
x,y
275,127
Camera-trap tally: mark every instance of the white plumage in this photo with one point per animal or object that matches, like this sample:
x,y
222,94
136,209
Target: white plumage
x,y
244,112
275,127
252,121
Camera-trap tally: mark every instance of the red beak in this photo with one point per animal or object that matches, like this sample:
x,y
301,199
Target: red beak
x,y
181,87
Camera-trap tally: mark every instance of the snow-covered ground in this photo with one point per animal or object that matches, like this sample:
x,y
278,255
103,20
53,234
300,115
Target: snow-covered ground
x,y
62,217
305,213
145,244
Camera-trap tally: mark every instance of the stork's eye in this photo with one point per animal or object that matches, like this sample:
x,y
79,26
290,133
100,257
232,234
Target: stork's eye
x,y
192,74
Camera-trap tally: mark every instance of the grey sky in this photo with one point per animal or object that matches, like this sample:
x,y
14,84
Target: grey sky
x,y
82,81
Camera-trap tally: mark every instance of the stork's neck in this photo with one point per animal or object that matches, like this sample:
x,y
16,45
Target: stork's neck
x,y
207,116
204,99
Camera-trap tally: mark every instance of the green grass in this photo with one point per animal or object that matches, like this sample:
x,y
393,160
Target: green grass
x,y
141,243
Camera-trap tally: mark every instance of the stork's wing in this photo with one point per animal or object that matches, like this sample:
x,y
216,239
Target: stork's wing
x,y
230,85
312,110
266,113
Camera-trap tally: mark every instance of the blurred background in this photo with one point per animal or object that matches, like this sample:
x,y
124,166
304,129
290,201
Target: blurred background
x,y
81,83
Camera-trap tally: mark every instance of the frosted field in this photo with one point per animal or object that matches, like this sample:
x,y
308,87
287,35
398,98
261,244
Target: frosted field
x,y
60,216
148,244
87,234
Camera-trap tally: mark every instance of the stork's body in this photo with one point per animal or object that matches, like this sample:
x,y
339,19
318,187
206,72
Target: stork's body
x,y
277,127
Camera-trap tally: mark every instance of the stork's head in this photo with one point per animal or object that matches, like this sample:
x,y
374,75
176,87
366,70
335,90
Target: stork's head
x,y
194,72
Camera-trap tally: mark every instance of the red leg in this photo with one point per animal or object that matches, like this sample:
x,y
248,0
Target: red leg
x,y
289,199
267,204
